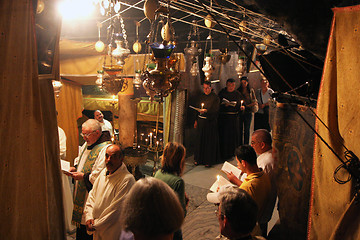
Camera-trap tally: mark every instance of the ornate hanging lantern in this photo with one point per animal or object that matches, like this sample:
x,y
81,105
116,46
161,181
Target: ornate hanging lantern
x,y
208,69
240,68
164,78
110,77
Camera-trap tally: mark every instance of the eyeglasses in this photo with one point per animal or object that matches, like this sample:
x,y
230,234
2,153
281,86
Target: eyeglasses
x,y
87,134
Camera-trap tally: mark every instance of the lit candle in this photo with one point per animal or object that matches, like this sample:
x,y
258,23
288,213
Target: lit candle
x,y
146,141
151,134
202,105
113,97
241,103
157,144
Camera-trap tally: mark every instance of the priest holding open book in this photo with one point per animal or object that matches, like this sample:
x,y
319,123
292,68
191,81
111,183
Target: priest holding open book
x,y
228,119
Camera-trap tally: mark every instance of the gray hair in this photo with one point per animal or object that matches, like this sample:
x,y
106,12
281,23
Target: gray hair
x,y
92,124
151,209
240,209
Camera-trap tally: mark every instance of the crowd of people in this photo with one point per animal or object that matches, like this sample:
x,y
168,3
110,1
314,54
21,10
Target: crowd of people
x,y
108,203
223,121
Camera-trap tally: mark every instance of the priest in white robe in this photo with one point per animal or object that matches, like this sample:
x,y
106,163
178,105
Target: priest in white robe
x,y
103,206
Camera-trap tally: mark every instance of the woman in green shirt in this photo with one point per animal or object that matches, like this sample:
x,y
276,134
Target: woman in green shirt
x,y
172,168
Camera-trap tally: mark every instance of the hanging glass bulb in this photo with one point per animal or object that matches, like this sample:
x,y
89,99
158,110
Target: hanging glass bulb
x,y
117,7
137,46
106,4
99,46
102,10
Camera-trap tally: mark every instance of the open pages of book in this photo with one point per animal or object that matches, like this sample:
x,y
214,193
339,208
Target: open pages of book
x,y
65,166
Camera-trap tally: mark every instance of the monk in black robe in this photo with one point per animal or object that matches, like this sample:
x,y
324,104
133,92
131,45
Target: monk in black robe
x,y
228,119
207,148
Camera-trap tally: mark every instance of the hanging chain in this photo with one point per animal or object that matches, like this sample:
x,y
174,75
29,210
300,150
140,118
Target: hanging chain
x,y
123,31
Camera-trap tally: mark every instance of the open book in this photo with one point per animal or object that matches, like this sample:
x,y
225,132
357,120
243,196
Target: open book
x,y
65,166
233,103
228,167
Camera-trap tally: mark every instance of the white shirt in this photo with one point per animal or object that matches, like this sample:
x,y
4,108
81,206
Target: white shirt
x,y
105,200
98,166
106,126
266,162
62,143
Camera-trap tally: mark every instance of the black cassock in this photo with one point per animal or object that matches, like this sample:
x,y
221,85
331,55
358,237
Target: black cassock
x,y
228,123
207,148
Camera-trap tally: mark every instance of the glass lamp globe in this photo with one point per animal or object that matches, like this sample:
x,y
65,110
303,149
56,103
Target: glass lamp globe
x,y
99,46
137,46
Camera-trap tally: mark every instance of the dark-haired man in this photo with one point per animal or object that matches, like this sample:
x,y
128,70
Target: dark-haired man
x,y
257,183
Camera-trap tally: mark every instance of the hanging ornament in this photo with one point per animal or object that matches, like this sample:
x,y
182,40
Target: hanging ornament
x,y
117,7
209,21
240,68
150,6
120,53
99,79
267,40
57,85
99,46
208,69
194,69
137,44
167,32
193,51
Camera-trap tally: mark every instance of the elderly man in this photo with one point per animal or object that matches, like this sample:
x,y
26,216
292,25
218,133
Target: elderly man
x,y
237,212
257,183
103,205
88,165
105,124
263,96
261,142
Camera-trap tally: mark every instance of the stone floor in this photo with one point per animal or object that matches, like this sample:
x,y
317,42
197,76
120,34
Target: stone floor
x,y
200,221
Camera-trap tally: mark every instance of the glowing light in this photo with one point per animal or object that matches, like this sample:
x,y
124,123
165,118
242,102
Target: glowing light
x,y
71,10
99,46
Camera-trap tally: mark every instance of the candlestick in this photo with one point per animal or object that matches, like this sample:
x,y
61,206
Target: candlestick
x,y
241,103
202,105
151,139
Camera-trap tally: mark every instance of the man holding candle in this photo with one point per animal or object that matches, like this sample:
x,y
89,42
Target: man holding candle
x,y
248,105
207,148
228,119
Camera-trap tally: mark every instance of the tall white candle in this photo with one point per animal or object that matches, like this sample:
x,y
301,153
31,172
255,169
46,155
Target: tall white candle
x,y
202,105
151,134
